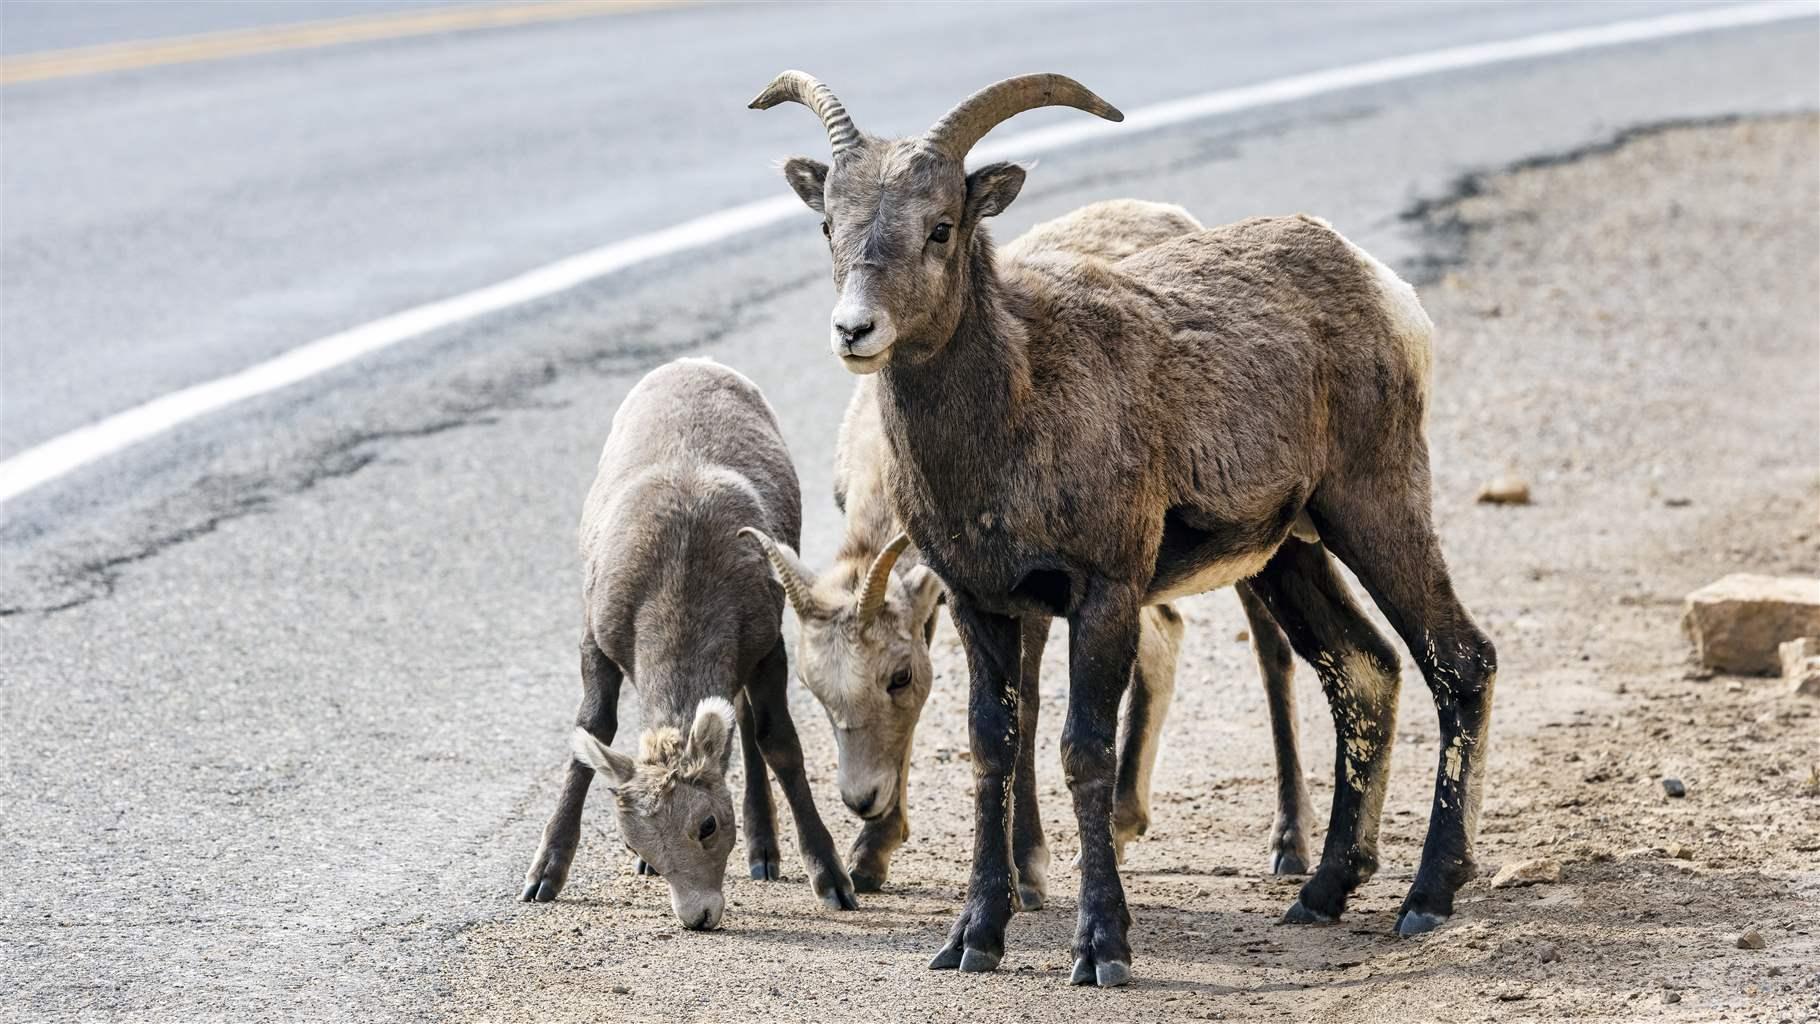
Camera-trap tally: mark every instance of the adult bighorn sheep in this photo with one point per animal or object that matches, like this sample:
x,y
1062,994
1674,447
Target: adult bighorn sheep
x,y
863,632
680,603
1081,439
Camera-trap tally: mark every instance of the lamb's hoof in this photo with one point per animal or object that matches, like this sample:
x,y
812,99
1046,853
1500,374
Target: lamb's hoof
x,y
1288,862
948,959
1415,922
1029,897
837,894
978,961
1109,974
766,871
539,890
1299,914
864,881
640,867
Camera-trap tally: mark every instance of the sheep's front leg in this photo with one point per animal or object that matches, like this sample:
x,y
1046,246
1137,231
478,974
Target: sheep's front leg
x,y
870,858
1102,648
599,714
1029,849
977,940
764,860
776,735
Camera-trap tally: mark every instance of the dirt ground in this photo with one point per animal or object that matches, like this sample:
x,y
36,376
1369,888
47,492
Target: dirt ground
x,y
1635,330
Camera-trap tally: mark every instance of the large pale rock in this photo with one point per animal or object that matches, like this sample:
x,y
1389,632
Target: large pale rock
x,y
1737,623
1540,871
1801,666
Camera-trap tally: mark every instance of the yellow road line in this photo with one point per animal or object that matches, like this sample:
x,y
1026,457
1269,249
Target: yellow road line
x,y
91,60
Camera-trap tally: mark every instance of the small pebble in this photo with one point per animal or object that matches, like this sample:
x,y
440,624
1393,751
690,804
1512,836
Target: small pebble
x,y
1548,953
620,990
1505,490
1242,635
1671,997
1751,940
1674,787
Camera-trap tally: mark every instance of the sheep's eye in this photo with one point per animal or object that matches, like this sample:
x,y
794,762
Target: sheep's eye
x,y
900,680
827,230
940,235
707,829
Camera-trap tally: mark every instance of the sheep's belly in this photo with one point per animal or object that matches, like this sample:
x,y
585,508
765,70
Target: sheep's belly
x,y
1222,572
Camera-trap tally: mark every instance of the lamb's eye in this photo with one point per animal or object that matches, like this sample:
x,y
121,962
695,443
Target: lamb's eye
x,y
940,235
827,230
707,829
900,680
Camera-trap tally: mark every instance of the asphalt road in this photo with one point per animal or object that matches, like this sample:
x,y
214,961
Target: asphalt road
x,y
285,688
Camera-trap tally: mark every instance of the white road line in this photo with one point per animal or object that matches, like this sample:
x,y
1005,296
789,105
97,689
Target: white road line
x,y
78,448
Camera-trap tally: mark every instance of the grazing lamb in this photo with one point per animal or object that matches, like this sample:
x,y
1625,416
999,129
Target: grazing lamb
x,y
1076,438
680,603
863,632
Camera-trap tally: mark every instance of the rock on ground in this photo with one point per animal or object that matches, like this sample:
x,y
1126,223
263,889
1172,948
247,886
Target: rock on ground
x,y
1801,666
1738,623
1540,871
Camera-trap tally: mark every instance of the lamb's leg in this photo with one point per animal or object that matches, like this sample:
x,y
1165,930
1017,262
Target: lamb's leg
x,y
777,740
1102,648
1289,834
1029,849
977,940
1386,535
1146,704
599,714
764,858
1358,671
870,856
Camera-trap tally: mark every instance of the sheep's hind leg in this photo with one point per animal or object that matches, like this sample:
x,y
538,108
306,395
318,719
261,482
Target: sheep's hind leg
x,y
1358,670
776,735
1289,833
977,940
1388,541
1029,848
599,714
764,858
1146,705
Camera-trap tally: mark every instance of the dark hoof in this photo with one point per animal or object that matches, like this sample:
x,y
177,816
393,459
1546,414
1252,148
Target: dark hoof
x,y
639,866
549,870
977,961
1299,914
1288,862
948,959
1415,922
865,882
766,871
1110,974
1029,897
839,896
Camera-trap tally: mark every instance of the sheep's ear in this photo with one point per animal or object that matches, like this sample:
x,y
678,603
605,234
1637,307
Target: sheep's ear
x,y
615,768
992,188
808,177
925,590
710,738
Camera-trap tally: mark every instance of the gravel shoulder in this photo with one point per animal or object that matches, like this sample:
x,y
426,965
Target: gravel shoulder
x,y
1633,330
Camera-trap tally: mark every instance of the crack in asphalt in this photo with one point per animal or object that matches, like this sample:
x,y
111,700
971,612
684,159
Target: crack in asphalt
x,y
98,578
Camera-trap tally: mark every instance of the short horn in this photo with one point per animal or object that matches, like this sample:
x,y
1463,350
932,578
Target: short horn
x,y
872,597
957,133
790,572
805,89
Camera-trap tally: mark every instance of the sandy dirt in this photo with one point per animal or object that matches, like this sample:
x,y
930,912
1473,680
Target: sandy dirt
x,y
1636,332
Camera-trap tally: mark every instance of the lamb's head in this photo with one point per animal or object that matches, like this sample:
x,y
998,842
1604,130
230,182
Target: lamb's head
x,y
674,808
864,654
902,215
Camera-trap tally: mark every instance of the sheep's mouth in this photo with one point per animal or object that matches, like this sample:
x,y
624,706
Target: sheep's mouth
x,y
856,363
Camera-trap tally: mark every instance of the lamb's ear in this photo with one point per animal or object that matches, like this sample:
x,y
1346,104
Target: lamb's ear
x,y
992,188
613,767
710,738
808,178
925,590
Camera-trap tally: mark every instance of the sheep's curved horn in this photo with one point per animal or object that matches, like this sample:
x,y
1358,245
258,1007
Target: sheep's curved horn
x,y
957,132
805,89
872,596
790,572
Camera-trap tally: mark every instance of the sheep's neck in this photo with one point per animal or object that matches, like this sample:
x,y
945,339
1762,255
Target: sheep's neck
x,y
951,419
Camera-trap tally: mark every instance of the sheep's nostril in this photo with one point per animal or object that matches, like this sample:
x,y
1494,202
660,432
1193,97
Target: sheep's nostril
x,y
849,335
863,806
701,923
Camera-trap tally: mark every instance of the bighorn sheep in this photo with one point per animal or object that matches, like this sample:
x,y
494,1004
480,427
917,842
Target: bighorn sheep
x,y
1075,438
676,600
863,631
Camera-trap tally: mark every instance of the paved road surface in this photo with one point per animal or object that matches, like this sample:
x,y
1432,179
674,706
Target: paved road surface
x,y
284,688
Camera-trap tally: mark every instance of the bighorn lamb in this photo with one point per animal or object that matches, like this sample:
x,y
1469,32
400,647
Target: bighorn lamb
x,y
863,632
1081,439
680,603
